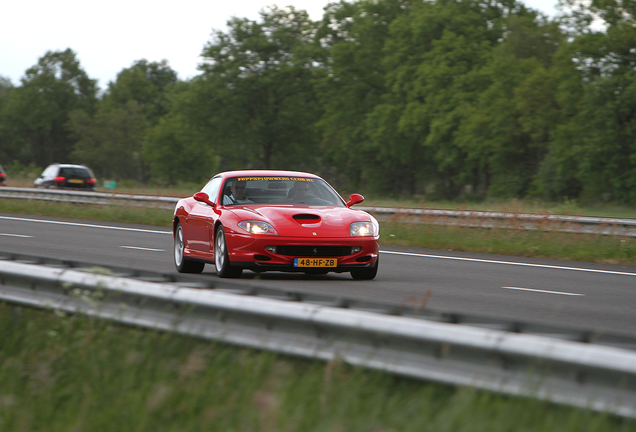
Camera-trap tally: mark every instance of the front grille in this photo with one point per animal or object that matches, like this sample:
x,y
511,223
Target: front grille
x,y
309,251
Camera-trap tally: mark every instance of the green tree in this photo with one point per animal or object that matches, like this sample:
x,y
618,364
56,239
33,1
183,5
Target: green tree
x,y
608,118
173,152
35,114
596,147
6,149
505,132
148,84
111,142
351,94
177,148
5,88
441,76
255,100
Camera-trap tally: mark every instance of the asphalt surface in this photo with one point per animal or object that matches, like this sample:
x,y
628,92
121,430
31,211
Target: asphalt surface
x,y
585,296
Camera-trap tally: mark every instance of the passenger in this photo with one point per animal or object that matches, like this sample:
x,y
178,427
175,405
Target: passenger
x,y
301,191
237,195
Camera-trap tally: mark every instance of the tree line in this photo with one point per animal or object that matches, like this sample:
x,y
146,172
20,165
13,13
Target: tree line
x,y
448,98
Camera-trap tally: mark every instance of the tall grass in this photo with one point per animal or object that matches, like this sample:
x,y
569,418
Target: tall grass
x,y
73,373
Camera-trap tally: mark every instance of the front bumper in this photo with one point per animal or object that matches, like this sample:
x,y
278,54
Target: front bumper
x,y
251,252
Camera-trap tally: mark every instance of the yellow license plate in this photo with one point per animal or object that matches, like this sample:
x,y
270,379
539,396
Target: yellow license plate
x,y
75,181
315,262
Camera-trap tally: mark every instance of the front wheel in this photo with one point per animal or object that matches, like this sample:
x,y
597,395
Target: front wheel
x,y
221,257
366,273
183,264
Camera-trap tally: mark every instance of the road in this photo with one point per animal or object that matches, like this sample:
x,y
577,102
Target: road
x,y
589,296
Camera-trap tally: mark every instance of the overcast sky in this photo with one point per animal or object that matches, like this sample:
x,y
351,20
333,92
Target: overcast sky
x,y
108,37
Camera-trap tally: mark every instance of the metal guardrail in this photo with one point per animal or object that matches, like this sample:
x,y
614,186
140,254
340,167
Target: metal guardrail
x,y
102,198
482,219
508,220
587,375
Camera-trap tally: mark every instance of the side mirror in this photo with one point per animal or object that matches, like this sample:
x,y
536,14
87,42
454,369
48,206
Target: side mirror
x,y
204,198
355,199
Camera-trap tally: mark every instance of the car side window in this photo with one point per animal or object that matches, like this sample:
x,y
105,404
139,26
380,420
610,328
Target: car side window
x,y
212,189
49,172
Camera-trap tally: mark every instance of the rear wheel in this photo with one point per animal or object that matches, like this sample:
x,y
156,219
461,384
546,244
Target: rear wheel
x,y
183,264
221,257
366,273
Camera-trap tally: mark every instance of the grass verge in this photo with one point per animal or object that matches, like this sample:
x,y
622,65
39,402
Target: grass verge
x,y
539,244
73,373
107,213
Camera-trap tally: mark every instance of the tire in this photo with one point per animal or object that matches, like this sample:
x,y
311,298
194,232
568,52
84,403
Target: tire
x,y
366,273
221,257
183,264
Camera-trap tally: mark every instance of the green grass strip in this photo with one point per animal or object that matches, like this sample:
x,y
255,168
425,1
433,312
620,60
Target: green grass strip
x,y
107,213
524,243
73,373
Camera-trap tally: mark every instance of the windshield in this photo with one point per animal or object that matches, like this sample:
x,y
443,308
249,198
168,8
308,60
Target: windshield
x,y
75,172
279,190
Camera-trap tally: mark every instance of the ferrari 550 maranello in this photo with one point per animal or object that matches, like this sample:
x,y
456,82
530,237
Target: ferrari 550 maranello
x,y
274,221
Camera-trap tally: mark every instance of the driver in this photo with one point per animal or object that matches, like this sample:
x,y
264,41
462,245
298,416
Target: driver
x,y
301,194
301,191
237,195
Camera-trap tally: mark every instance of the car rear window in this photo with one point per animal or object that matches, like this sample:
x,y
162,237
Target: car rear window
x,y
75,172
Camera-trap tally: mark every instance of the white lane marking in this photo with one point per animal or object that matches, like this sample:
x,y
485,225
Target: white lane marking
x,y
15,235
143,248
543,291
512,263
387,252
86,225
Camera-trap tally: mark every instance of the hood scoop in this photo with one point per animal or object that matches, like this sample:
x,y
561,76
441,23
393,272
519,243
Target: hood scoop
x,y
305,219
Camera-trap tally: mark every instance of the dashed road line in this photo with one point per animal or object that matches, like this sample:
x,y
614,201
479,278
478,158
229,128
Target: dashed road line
x,y
143,248
86,225
542,291
511,263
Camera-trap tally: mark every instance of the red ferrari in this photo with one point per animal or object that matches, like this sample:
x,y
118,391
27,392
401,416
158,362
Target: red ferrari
x,y
274,221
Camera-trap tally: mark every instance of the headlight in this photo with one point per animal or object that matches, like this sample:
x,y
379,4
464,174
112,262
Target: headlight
x,y
363,229
257,227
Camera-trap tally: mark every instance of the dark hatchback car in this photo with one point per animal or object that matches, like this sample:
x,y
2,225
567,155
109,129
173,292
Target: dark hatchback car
x,y
66,176
3,177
